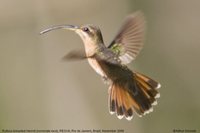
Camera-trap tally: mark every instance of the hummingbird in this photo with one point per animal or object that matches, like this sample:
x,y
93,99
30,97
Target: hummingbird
x,y
129,91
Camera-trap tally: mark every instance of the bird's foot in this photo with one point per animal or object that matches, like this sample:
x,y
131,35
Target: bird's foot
x,y
106,80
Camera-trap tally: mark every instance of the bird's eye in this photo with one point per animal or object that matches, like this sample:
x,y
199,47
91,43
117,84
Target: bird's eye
x,y
85,29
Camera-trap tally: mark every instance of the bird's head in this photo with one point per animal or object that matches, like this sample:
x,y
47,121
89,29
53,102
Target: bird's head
x,y
88,33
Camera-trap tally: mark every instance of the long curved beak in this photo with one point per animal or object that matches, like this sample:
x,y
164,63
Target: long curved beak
x,y
68,27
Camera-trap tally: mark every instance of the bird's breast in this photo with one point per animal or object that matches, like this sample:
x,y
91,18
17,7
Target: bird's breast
x,y
95,65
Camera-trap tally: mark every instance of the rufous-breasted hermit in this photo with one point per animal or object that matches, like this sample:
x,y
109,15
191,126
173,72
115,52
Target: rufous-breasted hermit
x,y
129,91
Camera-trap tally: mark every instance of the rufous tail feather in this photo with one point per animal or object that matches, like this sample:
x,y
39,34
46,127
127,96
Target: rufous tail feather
x,y
136,95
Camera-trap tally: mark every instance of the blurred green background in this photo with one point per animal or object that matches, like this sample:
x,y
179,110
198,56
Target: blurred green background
x,y
39,91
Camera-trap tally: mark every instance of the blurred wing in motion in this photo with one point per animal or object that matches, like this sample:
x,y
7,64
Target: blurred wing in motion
x,y
75,55
129,40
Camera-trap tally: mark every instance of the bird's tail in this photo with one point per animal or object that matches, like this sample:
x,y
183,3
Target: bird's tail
x,y
136,95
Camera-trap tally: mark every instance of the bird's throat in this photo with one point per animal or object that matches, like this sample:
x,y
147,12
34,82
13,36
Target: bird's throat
x,y
90,49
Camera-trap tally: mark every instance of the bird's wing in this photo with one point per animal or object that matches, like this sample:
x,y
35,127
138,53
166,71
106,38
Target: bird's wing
x,y
129,40
75,55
